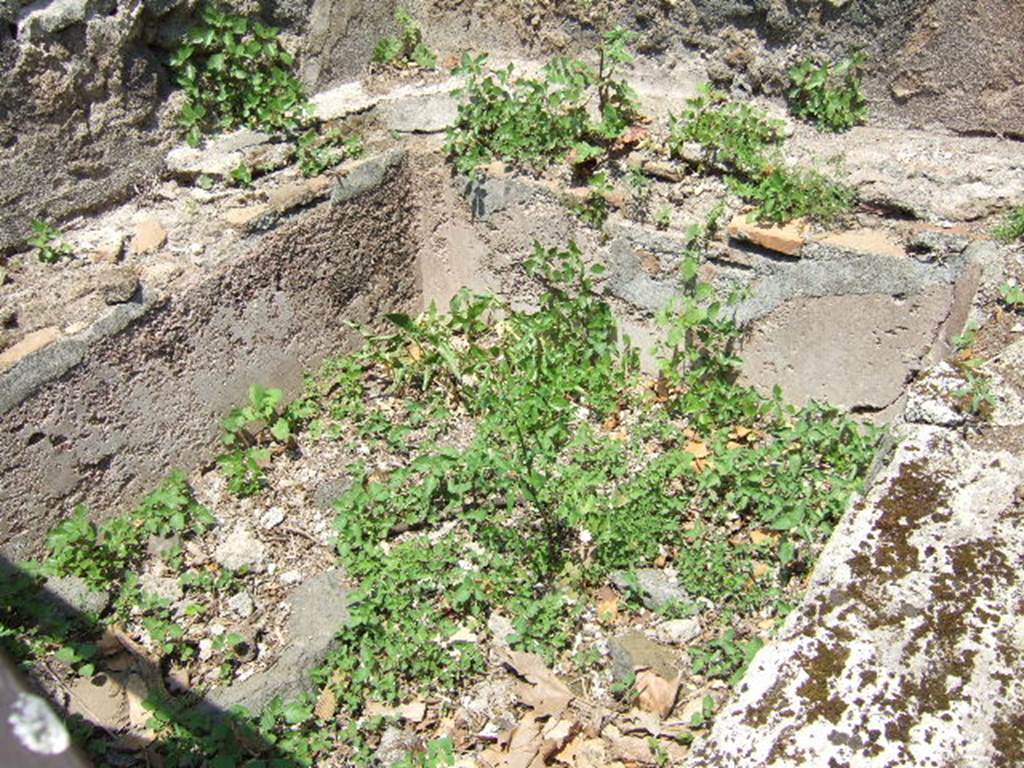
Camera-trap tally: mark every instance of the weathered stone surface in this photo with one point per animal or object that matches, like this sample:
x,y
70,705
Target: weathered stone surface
x,y
330,491
149,235
243,218
164,587
343,100
865,240
851,351
32,342
429,112
658,587
72,594
100,700
928,174
787,239
904,651
933,400
186,359
319,608
46,17
678,631
961,67
241,605
365,175
117,286
631,651
240,549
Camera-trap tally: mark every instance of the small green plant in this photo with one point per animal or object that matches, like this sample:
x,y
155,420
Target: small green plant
x,y
702,719
535,122
786,193
47,238
734,137
594,208
242,175
248,430
103,553
828,95
1012,295
976,396
317,153
724,657
235,72
663,218
1013,227
408,48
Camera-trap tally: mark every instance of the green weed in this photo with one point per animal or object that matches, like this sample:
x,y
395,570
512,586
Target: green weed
x,y
1012,295
47,239
1013,227
786,193
734,137
408,48
317,153
235,72
536,122
829,95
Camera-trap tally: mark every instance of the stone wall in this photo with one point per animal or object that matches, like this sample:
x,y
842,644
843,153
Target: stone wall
x,y
144,399
87,112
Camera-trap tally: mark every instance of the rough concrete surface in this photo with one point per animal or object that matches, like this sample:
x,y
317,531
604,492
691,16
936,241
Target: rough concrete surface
x,y
318,608
855,352
906,649
128,406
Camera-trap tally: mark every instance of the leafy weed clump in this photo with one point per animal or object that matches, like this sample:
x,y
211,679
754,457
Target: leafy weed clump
x,y
548,493
830,96
317,153
407,49
47,239
744,144
734,137
1013,227
235,72
787,193
536,122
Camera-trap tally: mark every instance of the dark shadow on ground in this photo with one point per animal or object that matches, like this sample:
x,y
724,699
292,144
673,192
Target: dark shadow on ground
x,y
195,731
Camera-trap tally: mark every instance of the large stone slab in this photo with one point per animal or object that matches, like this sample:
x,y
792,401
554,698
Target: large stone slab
x,y
907,650
851,351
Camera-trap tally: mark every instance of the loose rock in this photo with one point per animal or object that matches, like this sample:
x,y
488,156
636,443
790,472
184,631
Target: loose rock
x,y
658,588
240,549
70,594
150,236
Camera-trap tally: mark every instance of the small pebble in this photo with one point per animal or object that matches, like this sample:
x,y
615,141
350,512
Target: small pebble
x,y
272,518
205,649
241,604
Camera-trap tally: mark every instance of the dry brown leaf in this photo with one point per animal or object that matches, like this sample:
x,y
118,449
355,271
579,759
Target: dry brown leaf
x,y
414,352
762,537
632,135
698,449
732,445
741,433
607,605
531,667
632,750
760,569
326,705
612,422
656,694
556,734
